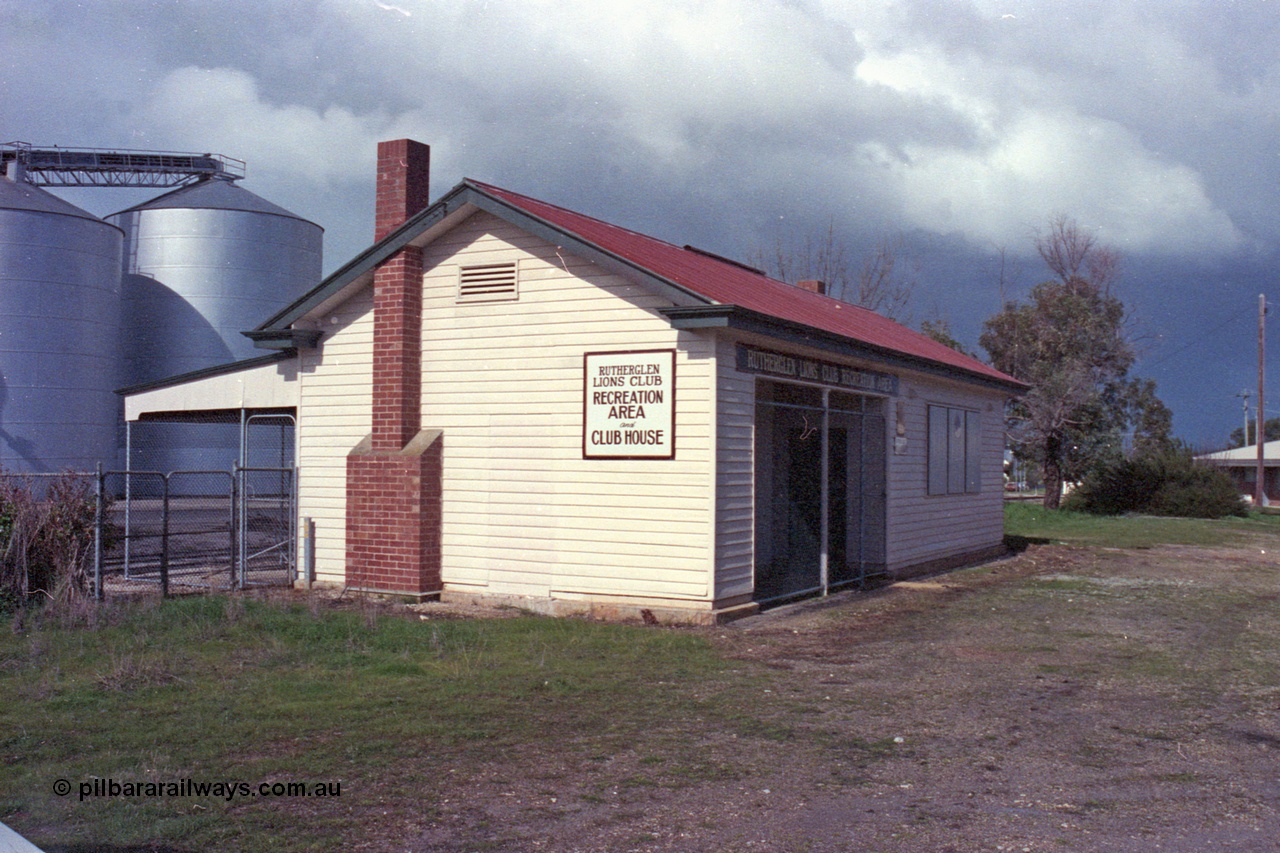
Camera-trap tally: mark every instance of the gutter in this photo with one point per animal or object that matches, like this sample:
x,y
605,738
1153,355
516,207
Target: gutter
x,y
745,320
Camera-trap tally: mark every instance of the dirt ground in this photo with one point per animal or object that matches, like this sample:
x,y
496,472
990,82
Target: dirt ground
x,y
1063,699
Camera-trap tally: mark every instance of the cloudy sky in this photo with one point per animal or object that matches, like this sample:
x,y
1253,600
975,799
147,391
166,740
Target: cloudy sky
x,y
733,124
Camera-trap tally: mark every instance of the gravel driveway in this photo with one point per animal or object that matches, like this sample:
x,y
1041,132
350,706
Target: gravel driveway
x,y
1063,699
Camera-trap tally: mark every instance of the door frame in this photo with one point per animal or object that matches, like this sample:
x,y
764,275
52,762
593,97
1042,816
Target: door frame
x,y
868,405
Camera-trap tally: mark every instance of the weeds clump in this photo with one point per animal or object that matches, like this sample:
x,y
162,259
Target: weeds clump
x,y
46,542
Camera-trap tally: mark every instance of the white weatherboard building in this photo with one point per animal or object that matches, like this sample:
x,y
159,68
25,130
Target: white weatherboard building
x,y
505,398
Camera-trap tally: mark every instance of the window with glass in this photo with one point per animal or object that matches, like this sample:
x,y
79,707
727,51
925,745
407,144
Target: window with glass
x,y
955,451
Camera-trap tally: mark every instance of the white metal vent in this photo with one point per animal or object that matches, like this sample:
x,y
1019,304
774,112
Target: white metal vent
x,y
487,283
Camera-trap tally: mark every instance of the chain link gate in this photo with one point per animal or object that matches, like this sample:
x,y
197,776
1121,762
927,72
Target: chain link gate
x,y
207,500
266,513
172,528
206,529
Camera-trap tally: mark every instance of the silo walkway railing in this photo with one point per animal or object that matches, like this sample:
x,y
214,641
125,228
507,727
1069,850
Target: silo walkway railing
x,y
180,529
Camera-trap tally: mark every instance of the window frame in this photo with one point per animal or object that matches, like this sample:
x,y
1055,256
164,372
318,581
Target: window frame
x,y
953,450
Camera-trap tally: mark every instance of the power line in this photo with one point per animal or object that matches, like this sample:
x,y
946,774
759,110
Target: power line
x,y
1197,340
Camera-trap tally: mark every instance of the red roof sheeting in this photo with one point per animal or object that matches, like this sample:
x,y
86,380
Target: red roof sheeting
x,y
727,283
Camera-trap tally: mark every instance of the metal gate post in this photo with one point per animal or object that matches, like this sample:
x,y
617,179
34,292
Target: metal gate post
x,y
128,495
231,525
97,535
243,503
824,496
293,528
308,567
862,495
164,536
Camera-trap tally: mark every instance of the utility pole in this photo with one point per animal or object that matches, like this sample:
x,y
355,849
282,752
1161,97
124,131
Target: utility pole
x,y
1260,491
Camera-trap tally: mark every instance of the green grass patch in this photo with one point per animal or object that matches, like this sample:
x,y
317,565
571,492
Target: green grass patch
x,y
214,689
1031,522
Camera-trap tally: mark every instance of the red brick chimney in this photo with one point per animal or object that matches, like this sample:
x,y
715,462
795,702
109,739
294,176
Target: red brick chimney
x,y
403,175
393,476
812,285
404,172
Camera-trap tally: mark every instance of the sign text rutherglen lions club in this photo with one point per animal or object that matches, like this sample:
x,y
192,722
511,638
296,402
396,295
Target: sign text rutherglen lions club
x,y
628,405
752,360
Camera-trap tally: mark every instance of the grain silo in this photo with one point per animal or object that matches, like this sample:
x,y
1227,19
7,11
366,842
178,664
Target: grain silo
x,y
203,264
60,281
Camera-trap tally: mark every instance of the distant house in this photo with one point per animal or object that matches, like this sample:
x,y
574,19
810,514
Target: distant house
x,y
1241,464
504,398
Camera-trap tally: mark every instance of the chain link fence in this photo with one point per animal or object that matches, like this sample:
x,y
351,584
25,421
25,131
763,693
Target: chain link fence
x,y
198,529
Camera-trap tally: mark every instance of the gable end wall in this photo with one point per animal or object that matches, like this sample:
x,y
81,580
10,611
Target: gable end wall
x,y
522,513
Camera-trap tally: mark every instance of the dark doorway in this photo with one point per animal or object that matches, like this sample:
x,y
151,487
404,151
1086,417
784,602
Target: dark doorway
x,y
797,428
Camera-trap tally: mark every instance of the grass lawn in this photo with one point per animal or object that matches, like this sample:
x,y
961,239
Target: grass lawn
x,y
217,689
1031,521
564,723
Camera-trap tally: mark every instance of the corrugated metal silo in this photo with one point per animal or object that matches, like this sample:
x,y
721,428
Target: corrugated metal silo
x,y
60,282
202,264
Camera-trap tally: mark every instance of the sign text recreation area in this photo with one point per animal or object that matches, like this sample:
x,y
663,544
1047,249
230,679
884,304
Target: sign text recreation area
x,y
628,406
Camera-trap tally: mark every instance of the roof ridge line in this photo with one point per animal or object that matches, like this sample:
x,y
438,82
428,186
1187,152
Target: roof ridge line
x,y
486,186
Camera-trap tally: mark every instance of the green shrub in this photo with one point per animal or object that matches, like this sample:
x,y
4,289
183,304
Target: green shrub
x,y
1168,483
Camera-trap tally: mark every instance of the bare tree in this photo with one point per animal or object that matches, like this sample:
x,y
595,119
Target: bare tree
x,y
823,257
883,282
886,280
1073,254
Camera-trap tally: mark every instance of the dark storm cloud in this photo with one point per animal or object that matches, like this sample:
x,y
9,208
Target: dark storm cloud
x,y
962,125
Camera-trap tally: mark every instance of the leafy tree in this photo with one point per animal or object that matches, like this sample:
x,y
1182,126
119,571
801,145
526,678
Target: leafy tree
x,y
1149,417
1270,431
882,280
1069,342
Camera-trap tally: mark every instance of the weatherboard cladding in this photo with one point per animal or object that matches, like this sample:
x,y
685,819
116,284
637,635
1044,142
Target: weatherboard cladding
x,y
922,527
335,404
523,513
503,382
735,476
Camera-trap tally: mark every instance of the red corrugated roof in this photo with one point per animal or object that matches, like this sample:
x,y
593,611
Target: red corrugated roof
x,y
729,284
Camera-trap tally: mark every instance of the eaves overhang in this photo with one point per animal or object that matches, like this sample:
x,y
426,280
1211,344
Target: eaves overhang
x,y
741,319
